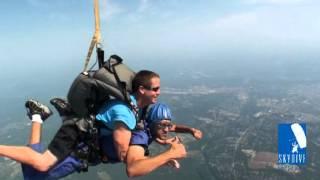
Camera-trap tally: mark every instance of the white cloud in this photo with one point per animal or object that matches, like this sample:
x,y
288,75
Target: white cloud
x,y
38,3
275,2
299,24
257,27
236,21
144,4
58,16
109,9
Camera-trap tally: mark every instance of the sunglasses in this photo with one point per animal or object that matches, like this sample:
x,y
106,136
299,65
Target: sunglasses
x,y
155,89
163,126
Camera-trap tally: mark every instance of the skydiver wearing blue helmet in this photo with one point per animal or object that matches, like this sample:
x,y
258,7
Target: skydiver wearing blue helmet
x,y
158,126
160,117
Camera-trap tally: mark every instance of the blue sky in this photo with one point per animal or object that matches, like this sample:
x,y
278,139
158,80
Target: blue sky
x,y
44,31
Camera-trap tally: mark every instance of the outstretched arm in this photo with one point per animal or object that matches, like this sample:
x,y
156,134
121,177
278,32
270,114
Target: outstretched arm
x,y
185,129
138,164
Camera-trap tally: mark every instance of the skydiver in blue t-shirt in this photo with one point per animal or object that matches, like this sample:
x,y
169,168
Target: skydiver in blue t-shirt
x,y
158,125
123,149
145,89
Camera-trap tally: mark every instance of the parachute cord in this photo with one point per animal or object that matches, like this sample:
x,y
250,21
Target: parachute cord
x,y
97,22
96,39
92,44
94,64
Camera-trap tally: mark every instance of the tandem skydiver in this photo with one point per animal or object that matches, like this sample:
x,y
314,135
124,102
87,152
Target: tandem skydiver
x,y
146,89
134,167
158,125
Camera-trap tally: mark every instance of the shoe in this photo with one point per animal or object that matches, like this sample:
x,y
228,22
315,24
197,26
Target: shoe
x,y
62,106
35,107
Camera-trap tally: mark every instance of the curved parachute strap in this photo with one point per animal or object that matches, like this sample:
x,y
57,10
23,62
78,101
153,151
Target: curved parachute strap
x,y
97,22
96,37
92,44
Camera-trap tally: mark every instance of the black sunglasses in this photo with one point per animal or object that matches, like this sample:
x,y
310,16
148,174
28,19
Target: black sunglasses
x,y
155,89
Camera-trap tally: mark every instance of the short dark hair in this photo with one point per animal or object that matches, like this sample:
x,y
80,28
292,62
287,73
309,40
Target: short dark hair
x,y
142,78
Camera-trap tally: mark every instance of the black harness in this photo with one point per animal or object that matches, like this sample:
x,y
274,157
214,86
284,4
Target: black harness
x,y
89,150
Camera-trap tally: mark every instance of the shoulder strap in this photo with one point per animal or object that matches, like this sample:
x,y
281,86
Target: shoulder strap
x,y
145,112
122,85
141,122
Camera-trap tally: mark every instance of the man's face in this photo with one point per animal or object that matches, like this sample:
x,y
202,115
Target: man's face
x,y
162,129
152,92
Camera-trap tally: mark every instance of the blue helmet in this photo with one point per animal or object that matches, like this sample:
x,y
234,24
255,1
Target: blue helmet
x,y
158,112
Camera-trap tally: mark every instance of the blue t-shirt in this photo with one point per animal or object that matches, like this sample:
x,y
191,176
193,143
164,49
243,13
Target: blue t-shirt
x,y
116,110
112,112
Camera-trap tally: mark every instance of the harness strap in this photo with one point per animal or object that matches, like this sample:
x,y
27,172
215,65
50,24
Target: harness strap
x,y
122,86
141,124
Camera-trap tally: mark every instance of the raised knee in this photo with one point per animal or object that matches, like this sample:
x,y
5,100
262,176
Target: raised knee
x,y
44,162
42,167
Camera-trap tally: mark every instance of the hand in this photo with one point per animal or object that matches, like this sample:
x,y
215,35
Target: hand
x,y
173,163
164,141
196,133
177,149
